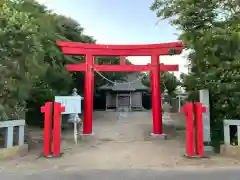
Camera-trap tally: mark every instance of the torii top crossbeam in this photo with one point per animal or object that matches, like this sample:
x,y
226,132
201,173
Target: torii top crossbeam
x,y
75,48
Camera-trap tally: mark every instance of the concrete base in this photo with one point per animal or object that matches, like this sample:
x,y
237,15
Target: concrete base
x,y
208,148
12,152
86,137
87,134
159,136
51,156
195,157
208,151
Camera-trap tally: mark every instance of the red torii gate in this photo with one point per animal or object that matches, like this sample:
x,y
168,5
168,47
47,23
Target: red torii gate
x,y
91,50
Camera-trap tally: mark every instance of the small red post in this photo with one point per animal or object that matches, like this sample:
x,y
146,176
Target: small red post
x,y
199,128
58,109
188,110
123,60
47,110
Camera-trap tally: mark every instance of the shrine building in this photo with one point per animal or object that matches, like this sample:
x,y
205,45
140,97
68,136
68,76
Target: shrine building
x,y
126,95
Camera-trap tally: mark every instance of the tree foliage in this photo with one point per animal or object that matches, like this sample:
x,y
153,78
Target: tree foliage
x,y
21,52
211,29
168,81
32,66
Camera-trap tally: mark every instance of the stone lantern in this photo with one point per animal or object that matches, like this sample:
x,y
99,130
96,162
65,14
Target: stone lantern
x,y
74,118
165,107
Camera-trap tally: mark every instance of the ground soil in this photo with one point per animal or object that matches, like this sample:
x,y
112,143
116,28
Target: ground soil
x,y
121,141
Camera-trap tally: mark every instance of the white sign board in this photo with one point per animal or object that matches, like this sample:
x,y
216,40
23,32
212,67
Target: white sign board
x,y
72,104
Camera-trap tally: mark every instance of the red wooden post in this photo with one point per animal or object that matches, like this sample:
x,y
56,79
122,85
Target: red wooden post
x,y
156,98
88,95
123,60
58,109
188,110
199,128
47,135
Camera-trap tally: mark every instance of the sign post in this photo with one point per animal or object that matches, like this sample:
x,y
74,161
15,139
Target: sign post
x,y
47,110
72,106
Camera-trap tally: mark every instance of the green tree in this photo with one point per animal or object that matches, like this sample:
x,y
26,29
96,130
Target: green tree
x,y
32,66
113,76
21,54
211,29
168,81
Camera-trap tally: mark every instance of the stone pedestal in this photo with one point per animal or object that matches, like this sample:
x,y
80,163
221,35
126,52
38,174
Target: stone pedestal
x,y
159,136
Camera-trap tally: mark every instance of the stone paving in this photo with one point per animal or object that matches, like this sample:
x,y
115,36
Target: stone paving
x,y
118,143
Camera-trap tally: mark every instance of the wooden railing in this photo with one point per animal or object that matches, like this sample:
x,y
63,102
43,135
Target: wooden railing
x,y
9,132
226,125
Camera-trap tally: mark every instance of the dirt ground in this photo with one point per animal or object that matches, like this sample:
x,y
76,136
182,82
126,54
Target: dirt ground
x,y
119,142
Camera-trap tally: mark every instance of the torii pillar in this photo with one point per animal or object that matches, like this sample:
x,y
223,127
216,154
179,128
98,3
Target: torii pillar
x,y
88,94
156,96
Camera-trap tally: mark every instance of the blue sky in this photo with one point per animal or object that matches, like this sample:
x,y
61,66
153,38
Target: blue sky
x,y
120,22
